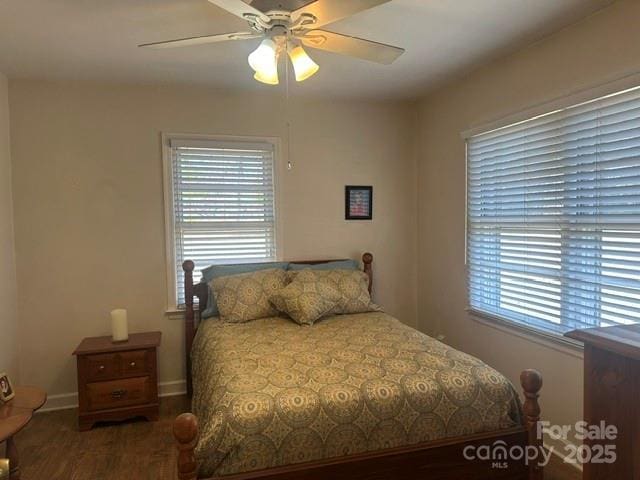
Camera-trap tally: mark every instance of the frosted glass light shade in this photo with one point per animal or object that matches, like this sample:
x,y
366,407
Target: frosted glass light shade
x,y
303,65
270,78
264,60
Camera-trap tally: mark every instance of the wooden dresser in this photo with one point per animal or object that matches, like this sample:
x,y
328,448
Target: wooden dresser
x,y
117,381
612,395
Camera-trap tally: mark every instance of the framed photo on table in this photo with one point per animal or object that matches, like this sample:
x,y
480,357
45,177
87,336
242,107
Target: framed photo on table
x,y
6,389
358,202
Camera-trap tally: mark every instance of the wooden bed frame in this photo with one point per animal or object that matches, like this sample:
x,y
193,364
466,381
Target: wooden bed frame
x,y
434,460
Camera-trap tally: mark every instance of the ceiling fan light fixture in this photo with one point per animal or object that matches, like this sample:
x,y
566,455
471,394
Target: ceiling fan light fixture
x,y
264,60
268,78
303,66
290,25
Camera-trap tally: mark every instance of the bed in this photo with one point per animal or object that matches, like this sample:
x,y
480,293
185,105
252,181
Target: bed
x,y
353,396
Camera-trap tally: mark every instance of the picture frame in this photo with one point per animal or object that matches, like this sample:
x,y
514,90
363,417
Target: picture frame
x,y
6,388
358,202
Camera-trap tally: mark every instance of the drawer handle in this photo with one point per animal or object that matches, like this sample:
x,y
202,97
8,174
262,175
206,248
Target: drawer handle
x,y
132,364
101,368
118,393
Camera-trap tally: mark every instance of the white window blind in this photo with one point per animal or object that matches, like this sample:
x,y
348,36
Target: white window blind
x,y
553,218
223,204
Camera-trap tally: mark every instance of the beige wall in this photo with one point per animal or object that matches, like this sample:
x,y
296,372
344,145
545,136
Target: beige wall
x,y
89,214
89,204
603,47
8,313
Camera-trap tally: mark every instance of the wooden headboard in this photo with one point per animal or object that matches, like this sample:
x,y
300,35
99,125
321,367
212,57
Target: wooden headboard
x,y
201,290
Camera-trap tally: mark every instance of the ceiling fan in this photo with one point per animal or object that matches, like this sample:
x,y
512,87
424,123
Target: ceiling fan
x,y
288,26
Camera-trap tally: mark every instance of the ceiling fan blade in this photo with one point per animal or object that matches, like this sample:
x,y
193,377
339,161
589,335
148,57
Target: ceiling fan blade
x,y
329,11
189,41
241,9
351,46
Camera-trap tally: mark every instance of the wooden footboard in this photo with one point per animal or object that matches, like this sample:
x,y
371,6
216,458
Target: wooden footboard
x,y
441,459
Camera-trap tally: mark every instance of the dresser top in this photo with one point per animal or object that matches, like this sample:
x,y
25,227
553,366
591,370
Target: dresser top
x,y
137,341
621,339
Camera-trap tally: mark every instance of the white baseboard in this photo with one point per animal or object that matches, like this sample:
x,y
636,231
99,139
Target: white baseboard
x,y
172,389
62,401
65,401
560,451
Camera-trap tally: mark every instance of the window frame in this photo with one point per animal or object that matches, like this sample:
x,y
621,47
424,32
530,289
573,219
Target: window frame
x,y
612,87
172,306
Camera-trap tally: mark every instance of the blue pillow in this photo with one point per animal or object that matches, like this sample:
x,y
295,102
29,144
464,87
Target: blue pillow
x,y
216,271
337,265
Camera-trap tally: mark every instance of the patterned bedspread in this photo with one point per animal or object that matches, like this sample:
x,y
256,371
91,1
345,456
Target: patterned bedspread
x,y
271,392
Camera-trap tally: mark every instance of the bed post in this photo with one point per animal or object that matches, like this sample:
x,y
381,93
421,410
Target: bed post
x,y
531,381
189,319
185,430
367,259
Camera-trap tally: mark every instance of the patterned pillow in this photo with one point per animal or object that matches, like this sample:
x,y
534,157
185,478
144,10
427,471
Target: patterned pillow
x,y
245,297
352,284
215,271
307,298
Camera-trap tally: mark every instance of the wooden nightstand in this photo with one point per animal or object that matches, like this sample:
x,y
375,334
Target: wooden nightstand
x,y
117,381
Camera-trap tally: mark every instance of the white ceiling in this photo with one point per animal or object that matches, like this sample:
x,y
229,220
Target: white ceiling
x,y
96,40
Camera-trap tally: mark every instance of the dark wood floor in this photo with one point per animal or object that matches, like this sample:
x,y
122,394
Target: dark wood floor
x,y
51,448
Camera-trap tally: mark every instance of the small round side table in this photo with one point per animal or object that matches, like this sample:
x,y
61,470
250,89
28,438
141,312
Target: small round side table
x,y
14,416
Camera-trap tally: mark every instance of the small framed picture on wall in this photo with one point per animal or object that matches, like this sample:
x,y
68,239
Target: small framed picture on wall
x,y
358,202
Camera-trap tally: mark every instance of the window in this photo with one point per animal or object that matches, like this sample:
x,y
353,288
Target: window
x,y
553,223
220,204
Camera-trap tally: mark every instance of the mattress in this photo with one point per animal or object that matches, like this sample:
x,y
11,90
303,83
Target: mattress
x,y
270,392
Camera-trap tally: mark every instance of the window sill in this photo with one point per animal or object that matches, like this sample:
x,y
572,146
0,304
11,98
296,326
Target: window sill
x,y
551,340
174,313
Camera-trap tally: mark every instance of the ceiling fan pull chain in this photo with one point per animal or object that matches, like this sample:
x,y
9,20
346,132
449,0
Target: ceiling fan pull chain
x,y
286,114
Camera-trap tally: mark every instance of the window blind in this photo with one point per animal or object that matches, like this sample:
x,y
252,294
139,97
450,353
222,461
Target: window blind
x,y
553,222
223,204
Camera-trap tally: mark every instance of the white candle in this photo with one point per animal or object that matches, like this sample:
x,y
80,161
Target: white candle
x,y
119,328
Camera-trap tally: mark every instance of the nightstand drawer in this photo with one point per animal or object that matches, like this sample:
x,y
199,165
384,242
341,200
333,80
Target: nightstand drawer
x,y
134,363
119,393
101,367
